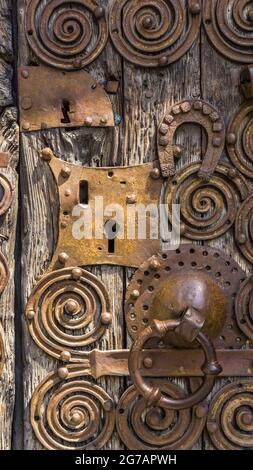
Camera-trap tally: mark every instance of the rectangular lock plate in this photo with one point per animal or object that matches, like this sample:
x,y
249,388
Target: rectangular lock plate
x,y
50,98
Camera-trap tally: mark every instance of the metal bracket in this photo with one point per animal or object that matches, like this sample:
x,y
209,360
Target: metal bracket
x,y
117,192
51,98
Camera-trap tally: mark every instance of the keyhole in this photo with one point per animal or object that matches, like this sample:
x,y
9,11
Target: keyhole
x,y
111,232
65,112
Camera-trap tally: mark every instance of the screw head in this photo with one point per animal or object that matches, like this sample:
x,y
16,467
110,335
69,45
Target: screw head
x,y
65,356
106,318
76,273
30,314
65,171
135,294
155,174
63,372
63,257
147,362
46,154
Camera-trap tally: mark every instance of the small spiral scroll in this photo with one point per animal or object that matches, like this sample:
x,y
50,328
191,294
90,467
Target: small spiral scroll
x,y
230,418
154,33
142,427
208,209
244,308
66,37
68,310
193,111
240,139
72,415
229,26
5,194
244,228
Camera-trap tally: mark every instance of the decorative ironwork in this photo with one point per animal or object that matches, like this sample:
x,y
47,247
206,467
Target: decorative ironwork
x,y
72,414
6,192
4,272
240,139
143,427
161,279
73,99
229,26
244,228
193,111
154,33
66,35
68,310
244,307
208,209
230,418
247,81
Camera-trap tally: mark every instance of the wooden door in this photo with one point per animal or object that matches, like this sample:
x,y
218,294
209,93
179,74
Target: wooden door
x,y
199,67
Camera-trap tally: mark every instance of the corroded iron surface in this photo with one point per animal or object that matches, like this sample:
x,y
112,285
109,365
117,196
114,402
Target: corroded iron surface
x,y
191,111
244,307
244,228
66,35
154,33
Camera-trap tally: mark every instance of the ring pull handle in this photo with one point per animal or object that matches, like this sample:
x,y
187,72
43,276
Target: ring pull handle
x,y
190,328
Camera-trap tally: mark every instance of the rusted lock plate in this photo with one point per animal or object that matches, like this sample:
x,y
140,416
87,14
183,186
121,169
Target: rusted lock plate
x,y
115,195
51,98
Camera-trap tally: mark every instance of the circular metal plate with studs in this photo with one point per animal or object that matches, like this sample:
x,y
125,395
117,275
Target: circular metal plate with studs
x,y
165,285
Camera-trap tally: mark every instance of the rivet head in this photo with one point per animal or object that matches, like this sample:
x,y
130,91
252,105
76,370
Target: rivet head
x,y
135,294
177,151
77,63
241,239
72,307
155,174
63,224
195,8
131,199
63,372
26,125
65,356
163,61
106,318
201,411
232,173
147,22
76,273
182,229
88,121
63,257
76,418
65,172
154,264
46,154
25,73
104,119
147,362
108,405
247,418
212,427
67,192
99,12
26,102
30,314
231,138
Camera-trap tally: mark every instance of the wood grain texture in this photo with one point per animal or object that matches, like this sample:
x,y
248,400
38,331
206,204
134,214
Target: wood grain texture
x,y
8,143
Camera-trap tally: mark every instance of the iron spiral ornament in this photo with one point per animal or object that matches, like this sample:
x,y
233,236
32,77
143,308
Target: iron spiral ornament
x,y
230,417
73,414
240,139
64,36
229,26
244,229
142,427
154,33
68,310
6,192
208,209
244,308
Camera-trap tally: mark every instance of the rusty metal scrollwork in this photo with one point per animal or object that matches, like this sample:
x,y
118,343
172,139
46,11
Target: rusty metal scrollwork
x,y
154,33
244,228
229,26
6,192
244,307
230,418
193,111
208,209
66,37
240,139
73,414
143,427
68,310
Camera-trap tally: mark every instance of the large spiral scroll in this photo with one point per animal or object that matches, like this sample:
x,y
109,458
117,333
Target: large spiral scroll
x,y
68,310
229,25
240,139
72,415
142,427
63,36
208,209
230,419
154,33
